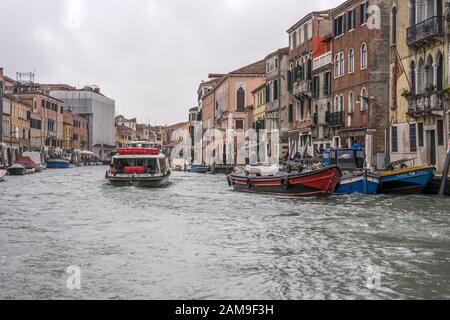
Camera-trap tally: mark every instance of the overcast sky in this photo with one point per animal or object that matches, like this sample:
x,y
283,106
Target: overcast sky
x,y
148,55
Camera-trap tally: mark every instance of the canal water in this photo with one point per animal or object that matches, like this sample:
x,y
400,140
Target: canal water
x,y
197,239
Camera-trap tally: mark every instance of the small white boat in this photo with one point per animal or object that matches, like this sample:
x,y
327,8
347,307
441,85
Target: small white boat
x,y
17,170
2,175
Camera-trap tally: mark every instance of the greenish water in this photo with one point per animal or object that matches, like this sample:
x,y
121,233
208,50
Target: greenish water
x,y
197,239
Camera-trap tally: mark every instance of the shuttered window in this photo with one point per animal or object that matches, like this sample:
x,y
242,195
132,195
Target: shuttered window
x,y
240,99
420,133
290,113
289,80
412,138
440,132
394,139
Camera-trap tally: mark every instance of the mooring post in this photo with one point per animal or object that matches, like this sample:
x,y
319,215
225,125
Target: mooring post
x,y
445,172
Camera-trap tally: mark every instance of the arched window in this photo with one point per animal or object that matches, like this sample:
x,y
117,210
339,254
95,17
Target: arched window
x,y
240,100
351,102
351,60
336,66
363,99
394,25
429,74
421,84
412,76
363,56
341,103
440,72
336,104
341,63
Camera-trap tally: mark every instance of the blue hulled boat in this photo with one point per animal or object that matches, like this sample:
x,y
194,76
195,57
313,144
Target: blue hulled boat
x,y
406,180
58,164
355,179
194,168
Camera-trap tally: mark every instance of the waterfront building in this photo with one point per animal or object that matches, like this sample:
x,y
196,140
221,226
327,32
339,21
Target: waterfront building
x,y
68,130
277,96
419,92
51,111
36,137
142,132
195,118
80,133
304,39
322,101
173,135
99,110
360,85
259,107
125,131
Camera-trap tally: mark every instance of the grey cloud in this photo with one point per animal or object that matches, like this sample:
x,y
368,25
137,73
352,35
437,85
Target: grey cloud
x,y
147,55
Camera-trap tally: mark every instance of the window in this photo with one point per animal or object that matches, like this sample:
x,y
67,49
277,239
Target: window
x,y
327,84
440,132
351,60
300,110
289,80
351,20
338,26
363,99
302,34
412,70
316,87
275,90
412,138
420,129
394,25
394,139
341,103
363,13
363,56
290,113
240,100
351,102
239,125
339,65
51,125
310,30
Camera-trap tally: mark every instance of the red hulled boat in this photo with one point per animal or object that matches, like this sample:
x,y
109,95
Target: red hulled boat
x,y
317,182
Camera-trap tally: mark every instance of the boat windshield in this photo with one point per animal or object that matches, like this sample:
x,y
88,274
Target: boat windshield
x,y
150,165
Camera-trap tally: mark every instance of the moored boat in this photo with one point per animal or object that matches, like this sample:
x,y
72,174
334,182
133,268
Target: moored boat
x,y
139,167
30,166
406,180
58,163
315,182
356,178
195,168
358,182
17,170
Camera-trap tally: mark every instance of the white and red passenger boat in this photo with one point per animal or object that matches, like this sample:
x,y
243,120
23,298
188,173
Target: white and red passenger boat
x,y
139,166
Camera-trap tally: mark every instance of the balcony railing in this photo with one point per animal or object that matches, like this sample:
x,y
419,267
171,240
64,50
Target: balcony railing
x,y
303,88
425,103
335,119
425,31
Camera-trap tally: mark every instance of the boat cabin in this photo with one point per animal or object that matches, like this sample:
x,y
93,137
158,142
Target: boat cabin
x,y
139,161
346,159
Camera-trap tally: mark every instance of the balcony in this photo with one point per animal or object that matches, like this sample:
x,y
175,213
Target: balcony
x,y
335,119
431,103
425,32
303,89
322,61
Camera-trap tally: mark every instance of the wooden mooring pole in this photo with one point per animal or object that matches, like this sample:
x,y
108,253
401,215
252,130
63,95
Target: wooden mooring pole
x,y
445,172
